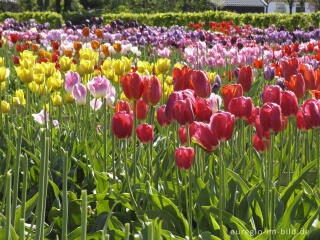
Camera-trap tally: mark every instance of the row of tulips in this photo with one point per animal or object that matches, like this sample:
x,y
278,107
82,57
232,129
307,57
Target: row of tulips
x,y
93,92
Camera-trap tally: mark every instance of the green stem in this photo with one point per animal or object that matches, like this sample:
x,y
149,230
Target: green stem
x,y
222,191
289,146
127,231
21,229
127,173
41,186
65,196
134,141
104,135
84,213
113,158
24,188
7,229
318,157
16,176
190,203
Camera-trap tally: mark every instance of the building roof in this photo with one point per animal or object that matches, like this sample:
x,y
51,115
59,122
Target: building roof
x,y
245,3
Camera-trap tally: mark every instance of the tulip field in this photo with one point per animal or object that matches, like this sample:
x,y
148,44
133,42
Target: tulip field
x,y
127,131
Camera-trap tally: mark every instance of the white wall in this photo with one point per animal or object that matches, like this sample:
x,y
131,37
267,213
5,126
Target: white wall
x,y
275,7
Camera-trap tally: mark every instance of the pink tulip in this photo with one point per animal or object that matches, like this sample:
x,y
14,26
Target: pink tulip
x,y
72,78
95,104
101,87
79,94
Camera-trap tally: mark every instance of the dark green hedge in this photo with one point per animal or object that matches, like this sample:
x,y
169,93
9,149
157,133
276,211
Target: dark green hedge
x,y
262,20
55,19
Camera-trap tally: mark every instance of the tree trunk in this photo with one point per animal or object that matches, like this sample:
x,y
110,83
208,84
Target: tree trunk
x,y
58,7
290,7
40,5
67,5
267,7
46,4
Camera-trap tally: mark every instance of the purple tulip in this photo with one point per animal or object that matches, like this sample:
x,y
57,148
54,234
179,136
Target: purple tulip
x,y
269,73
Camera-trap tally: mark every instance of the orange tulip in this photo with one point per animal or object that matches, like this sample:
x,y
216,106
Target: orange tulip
x,y
99,33
77,46
86,32
68,52
317,77
105,50
229,92
308,74
297,85
315,94
35,47
117,47
95,44
42,53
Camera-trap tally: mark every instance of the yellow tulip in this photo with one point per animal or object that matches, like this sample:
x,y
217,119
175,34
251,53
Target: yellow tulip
x,y
26,63
1,61
68,98
25,74
212,76
44,89
4,73
96,72
49,68
3,86
144,67
55,81
178,65
162,66
19,99
169,80
73,68
123,97
65,63
89,54
119,67
33,86
5,107
127,63
85,67
56,99
39,78
26,54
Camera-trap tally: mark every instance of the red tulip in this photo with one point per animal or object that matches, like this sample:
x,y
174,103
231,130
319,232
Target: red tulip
x,y
272,93
200,83
204,109
132,85
270,117
151,91
264,135
161,116
241,107
205,138
145,133
290,67
222,124
122,124
174,97
13,37
183,112
301,123
289,103
311,113
229,92
123,106
55,45
181,78
183,132
308,75
315,94
18,48
142,110
16,60
317,77
251,120
184,157
245,78
297,85
260,144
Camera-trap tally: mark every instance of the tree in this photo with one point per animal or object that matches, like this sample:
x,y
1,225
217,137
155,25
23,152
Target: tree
x,y
290,2
218,3
267,6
